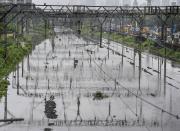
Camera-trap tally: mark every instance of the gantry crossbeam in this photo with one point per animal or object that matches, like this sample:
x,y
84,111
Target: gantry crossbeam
x,y
89,11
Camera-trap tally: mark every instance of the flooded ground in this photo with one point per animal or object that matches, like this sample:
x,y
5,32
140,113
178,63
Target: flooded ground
x,y
69,83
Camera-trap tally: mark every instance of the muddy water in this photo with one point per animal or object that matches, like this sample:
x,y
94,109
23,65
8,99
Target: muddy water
x,y
54,89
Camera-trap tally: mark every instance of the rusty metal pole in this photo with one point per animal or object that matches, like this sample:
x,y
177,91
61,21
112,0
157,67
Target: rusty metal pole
x,y
45,29
5,107
101,31
17,67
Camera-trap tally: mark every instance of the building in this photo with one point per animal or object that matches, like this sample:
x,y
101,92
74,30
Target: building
x,y
28,1
112,2
6,1
19,1
89,2
135,3
16,1
126,2
156,2
173,3
148,2
178,2
100,2
165,2
143,4
22,1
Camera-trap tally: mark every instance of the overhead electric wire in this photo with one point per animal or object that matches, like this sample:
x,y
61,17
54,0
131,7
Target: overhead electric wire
x,y
131,110
139,97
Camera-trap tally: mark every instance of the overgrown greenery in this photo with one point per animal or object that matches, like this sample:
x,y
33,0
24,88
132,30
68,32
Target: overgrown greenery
x,y
3,87
147,45
16,50
99,96
15,53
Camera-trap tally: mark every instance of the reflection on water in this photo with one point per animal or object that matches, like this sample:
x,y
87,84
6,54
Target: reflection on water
x,y
47,129
54,88
50,107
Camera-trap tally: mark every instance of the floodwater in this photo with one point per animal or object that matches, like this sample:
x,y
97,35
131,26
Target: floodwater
x,y
54,89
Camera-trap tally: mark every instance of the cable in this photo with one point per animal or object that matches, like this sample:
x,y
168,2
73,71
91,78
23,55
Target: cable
x,y
139,97
129,107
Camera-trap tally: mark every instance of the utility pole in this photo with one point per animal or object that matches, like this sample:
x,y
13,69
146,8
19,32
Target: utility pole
x,y
5,107
17,67
22,68
22,26
109,36
45,29
101,31
163,20
5,38
27,26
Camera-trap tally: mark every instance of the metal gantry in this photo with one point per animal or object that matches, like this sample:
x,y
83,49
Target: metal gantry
x,y
76,13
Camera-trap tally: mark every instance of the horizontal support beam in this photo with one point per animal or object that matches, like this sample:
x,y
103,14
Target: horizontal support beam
x,y
12,120
98,11
111,122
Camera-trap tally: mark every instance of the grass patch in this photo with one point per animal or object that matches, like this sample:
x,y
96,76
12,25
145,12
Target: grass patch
x,y
99,96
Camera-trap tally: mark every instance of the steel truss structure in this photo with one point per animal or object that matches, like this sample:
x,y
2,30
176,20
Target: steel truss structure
x,y
20,14
89,11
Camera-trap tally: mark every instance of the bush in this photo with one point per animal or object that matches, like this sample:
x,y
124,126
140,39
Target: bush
x,y
177,55
3,87
99,96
